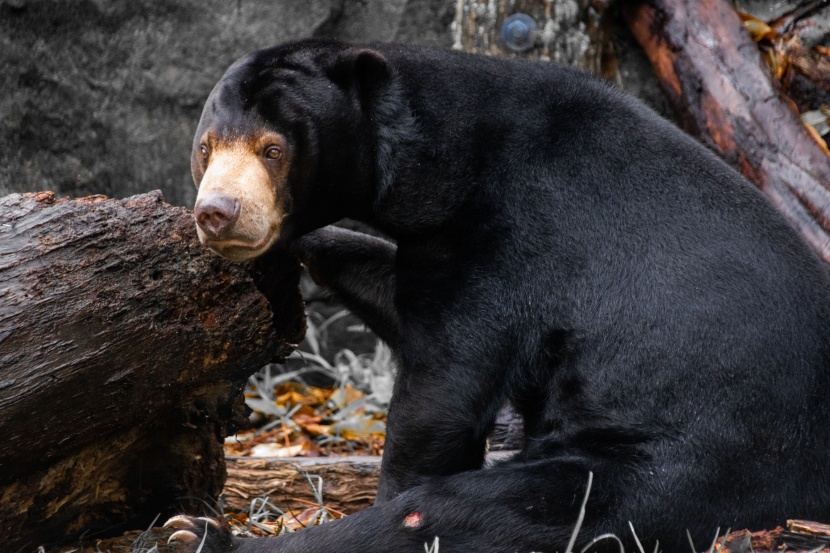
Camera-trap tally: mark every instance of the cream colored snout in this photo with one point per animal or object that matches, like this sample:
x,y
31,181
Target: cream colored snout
x,y
236,209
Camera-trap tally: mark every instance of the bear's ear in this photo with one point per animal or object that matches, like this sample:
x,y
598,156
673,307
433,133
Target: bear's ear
x,y
362,68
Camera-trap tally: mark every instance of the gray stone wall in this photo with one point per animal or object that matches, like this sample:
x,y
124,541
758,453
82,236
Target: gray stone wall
x,y
103,96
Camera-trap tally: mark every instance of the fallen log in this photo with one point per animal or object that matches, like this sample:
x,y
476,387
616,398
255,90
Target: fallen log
x,y
124,347
714,75
349,484
809,528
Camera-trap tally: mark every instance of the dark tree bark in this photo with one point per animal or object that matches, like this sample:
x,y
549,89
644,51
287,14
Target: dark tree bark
x,y
124,348
714,76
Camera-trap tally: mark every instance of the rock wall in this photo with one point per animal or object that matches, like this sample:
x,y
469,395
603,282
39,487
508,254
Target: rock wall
x,y
103,96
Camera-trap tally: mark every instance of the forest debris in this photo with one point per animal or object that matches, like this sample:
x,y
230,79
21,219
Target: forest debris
x,y
714,75
803,71
311,421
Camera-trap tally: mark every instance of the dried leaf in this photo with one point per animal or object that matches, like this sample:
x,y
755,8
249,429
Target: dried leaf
x,y
817,119
757,28
300,520
345,396
360,427
277,450
265,407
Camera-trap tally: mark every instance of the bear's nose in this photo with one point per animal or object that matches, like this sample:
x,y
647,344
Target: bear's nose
x,y
216,214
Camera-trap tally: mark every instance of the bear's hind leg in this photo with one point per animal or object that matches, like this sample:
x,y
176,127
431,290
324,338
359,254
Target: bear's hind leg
x,y
515,506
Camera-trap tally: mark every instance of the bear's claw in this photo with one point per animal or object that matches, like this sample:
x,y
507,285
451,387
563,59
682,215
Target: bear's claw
x,y
184,522
184,536
191,533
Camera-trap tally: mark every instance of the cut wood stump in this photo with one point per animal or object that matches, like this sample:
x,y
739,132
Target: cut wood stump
x,y
807,535
801,536
713,74
124,348
809,528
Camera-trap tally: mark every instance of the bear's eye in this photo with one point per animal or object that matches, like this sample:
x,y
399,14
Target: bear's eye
x,y
204,152
273,152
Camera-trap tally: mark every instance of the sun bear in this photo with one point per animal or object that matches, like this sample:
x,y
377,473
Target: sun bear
x,y
556,245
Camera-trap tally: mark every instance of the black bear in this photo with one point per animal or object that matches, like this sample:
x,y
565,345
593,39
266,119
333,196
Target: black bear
x,y
560,247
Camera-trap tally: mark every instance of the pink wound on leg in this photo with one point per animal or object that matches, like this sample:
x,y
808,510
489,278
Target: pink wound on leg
x,y
413,520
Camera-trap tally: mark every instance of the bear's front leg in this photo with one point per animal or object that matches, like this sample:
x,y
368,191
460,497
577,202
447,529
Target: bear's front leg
x,y
449,387
446,398
360,270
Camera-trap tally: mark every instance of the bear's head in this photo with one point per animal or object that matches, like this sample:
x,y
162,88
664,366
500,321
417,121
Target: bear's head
x,y
287,142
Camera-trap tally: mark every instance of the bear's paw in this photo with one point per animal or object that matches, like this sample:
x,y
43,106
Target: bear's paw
x,y
203,534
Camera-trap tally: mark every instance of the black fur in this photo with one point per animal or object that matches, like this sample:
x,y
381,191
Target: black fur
x,y
561,247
